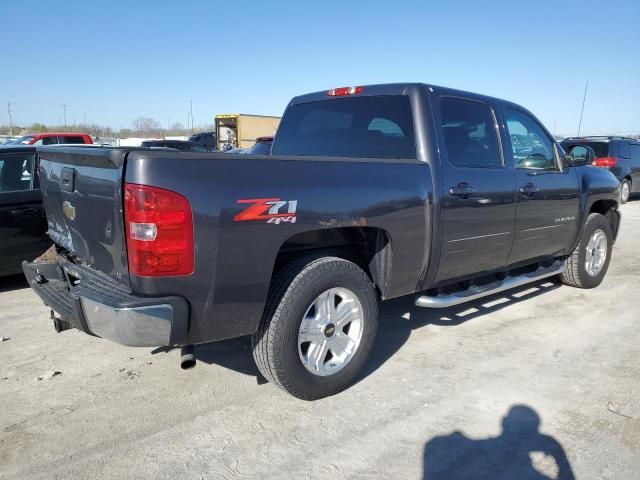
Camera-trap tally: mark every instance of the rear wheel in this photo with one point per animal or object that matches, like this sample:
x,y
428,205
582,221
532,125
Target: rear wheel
x,y
625,191
588,264
318,327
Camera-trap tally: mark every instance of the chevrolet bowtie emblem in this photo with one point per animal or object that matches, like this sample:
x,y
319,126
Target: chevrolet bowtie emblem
x,y
69,210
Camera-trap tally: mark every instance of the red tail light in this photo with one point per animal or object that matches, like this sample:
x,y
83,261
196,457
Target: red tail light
x,y
342,91
605,162
159,228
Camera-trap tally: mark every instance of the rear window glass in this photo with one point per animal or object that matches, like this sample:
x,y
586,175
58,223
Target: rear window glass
x,y
601,148
364,127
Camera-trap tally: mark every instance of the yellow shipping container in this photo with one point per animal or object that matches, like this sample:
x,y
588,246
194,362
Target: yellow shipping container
x,y
241,130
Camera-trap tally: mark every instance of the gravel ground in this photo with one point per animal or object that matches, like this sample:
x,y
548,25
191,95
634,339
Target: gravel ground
x,y
543,380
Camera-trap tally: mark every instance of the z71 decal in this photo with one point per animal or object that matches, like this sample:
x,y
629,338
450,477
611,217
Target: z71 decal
x,y
269,210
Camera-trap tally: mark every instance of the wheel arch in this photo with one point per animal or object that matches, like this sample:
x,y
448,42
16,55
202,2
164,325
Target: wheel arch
x,y
368,247
608,208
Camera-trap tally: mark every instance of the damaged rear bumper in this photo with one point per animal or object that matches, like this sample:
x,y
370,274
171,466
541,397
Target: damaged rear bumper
x,y
94,303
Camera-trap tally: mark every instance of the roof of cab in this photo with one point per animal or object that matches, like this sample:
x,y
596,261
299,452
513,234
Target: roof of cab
x,y
395,89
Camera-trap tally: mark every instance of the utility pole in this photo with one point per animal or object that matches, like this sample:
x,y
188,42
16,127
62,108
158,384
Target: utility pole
x,y
10,119
85,118
191,107
64,114
584,98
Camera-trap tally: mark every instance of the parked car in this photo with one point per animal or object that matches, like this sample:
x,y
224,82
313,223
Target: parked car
x,y
206,139
175,144
52,139
370,193
23,225
619,155
261,147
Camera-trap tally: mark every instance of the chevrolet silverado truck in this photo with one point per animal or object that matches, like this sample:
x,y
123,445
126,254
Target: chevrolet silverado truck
x,y
370,193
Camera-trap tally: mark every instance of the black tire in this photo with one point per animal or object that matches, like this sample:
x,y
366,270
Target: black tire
x,y
575,274
625,185
275,344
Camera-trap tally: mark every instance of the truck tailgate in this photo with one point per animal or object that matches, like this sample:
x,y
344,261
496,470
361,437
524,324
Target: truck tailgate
x,y
82,193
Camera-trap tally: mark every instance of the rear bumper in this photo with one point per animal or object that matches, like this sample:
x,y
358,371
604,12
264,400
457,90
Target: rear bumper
x,y
95,304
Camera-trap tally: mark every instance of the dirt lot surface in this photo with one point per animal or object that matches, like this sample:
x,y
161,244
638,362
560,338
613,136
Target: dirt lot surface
x,y
543,380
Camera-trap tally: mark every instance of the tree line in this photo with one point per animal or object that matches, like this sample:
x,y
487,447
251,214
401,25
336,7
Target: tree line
x,y
140,127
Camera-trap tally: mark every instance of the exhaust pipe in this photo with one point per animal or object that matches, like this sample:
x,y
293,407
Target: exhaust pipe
x,y
187,357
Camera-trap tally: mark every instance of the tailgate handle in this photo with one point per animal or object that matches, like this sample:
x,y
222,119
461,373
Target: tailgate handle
x,y
67,177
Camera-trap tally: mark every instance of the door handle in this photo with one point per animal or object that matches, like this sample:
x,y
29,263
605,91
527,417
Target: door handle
x,y
529,189
23,212
463,190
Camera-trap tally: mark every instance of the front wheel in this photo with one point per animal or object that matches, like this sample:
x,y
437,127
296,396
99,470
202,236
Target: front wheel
x,y
318,327
588,264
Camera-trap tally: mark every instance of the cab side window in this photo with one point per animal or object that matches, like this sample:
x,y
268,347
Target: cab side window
x,y
469,133
532,147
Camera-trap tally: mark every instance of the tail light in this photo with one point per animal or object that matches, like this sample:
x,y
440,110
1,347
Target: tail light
x,y
604,162
343,91
159,228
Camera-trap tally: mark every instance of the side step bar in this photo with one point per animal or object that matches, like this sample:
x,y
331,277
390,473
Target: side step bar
x,y
479,291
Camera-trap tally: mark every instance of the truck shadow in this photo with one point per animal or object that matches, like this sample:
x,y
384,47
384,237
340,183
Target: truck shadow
x,y
397,319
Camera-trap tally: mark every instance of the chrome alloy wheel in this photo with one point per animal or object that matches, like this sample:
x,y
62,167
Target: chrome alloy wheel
x,y
596,252
625,192
331,331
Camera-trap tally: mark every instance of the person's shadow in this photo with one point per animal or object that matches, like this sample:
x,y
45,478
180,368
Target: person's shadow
x,y
519,452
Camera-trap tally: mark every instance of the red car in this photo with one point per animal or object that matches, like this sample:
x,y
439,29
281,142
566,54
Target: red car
x,y
52,139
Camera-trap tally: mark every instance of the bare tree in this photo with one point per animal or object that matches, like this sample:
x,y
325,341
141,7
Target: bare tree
x,y
146,125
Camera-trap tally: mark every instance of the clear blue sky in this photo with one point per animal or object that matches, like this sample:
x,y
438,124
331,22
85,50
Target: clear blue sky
x,y
115,61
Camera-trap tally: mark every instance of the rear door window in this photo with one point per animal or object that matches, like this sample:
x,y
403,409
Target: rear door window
x,y
469,133
357,127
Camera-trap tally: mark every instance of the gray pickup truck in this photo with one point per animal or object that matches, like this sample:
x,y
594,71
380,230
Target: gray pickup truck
x,y
370,193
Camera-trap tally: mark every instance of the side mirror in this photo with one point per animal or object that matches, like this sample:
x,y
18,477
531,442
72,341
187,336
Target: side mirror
x,y
580,155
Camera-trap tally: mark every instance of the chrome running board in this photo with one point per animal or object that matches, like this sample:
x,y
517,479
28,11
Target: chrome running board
x,y
479,291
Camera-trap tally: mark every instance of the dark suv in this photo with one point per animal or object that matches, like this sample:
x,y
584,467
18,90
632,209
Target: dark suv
x,y
619,155
206,139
